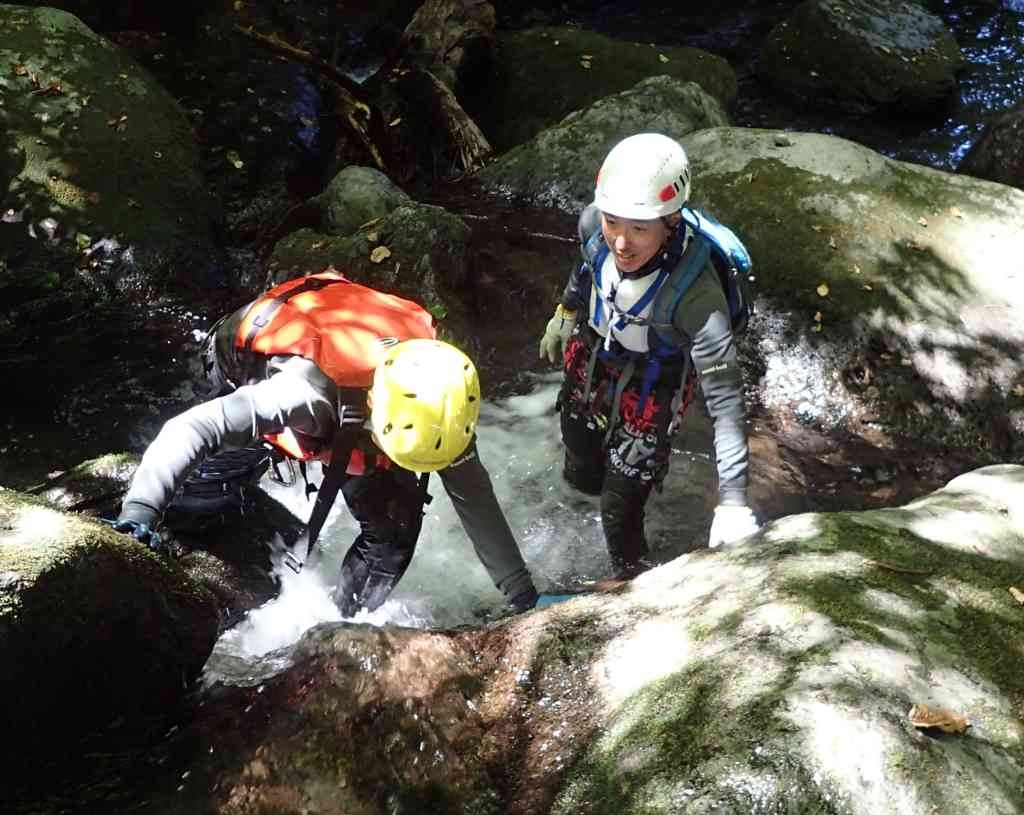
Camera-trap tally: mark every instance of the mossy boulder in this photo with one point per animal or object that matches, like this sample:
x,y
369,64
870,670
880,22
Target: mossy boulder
x,y
355,196
543,74
226,542
416,250
94,628
999,154
891,56
775,675
558,166
789,665
918,269
103,191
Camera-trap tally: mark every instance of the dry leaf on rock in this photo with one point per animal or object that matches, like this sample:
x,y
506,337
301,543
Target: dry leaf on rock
x,y
944,720
379,253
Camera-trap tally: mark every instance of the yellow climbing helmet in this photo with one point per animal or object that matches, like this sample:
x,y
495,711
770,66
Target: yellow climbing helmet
x,y
424,404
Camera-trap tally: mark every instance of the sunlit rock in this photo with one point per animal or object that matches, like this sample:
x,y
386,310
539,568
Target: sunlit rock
x,y
775,675
920,320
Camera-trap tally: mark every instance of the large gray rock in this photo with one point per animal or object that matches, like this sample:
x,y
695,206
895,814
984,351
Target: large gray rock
x,y
920,310
558,166
864,55
775,675
95,629
106,189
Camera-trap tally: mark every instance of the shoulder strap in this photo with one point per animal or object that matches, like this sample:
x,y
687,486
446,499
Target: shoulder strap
x,y
335,476
687,271
271,305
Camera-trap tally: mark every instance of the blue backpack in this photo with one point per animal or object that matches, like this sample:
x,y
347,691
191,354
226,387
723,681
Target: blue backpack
x,y
731,261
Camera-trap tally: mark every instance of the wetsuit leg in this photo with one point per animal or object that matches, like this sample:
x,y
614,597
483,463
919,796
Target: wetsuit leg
x,y
583,426
636,461
388,504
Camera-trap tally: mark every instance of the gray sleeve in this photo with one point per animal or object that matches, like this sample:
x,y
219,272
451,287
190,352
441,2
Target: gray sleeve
x,y
292,397
703,316
469,487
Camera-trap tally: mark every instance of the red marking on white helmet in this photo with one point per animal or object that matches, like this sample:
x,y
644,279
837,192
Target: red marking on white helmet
x,y
668,192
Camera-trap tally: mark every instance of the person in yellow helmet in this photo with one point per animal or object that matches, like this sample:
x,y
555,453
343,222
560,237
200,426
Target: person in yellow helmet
x,y
325,368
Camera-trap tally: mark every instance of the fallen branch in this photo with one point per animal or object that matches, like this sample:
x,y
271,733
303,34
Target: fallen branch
x,y
349,94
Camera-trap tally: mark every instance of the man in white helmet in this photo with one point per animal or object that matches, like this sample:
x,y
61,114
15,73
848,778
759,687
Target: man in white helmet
x,y
633,350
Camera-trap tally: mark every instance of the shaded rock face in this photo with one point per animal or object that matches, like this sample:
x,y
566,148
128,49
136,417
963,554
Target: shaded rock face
x,y
106,193
578,68
999,154
916,316
558,166
93,628
356,196
864,55
776,675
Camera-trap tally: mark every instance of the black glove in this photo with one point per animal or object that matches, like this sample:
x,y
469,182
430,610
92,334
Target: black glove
x,y
524,601
141,532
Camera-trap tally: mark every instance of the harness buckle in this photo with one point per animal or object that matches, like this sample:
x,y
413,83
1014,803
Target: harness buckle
x,y
292,562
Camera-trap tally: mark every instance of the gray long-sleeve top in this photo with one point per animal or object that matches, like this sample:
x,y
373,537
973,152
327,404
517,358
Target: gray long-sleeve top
x,y
296,394
703,318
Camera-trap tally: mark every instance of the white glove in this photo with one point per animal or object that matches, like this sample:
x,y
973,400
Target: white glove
x,y
556,335
731,523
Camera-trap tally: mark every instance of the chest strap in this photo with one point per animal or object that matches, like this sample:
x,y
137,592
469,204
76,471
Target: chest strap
x,y
345,440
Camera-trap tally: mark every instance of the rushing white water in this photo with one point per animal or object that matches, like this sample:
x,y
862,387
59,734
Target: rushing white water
x,y
558,529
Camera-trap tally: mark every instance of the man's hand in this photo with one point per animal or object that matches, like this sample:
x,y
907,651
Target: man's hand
x,y
141,532
556,334
731,523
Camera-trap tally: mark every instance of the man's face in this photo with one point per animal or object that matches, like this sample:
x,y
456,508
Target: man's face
x,y
632,242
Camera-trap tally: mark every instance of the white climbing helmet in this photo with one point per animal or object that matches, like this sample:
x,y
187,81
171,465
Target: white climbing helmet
x,y
645,176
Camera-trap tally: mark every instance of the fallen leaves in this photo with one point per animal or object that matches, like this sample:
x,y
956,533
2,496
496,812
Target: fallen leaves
x,y
1017,594
823,289
945,720
380,253
662,58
